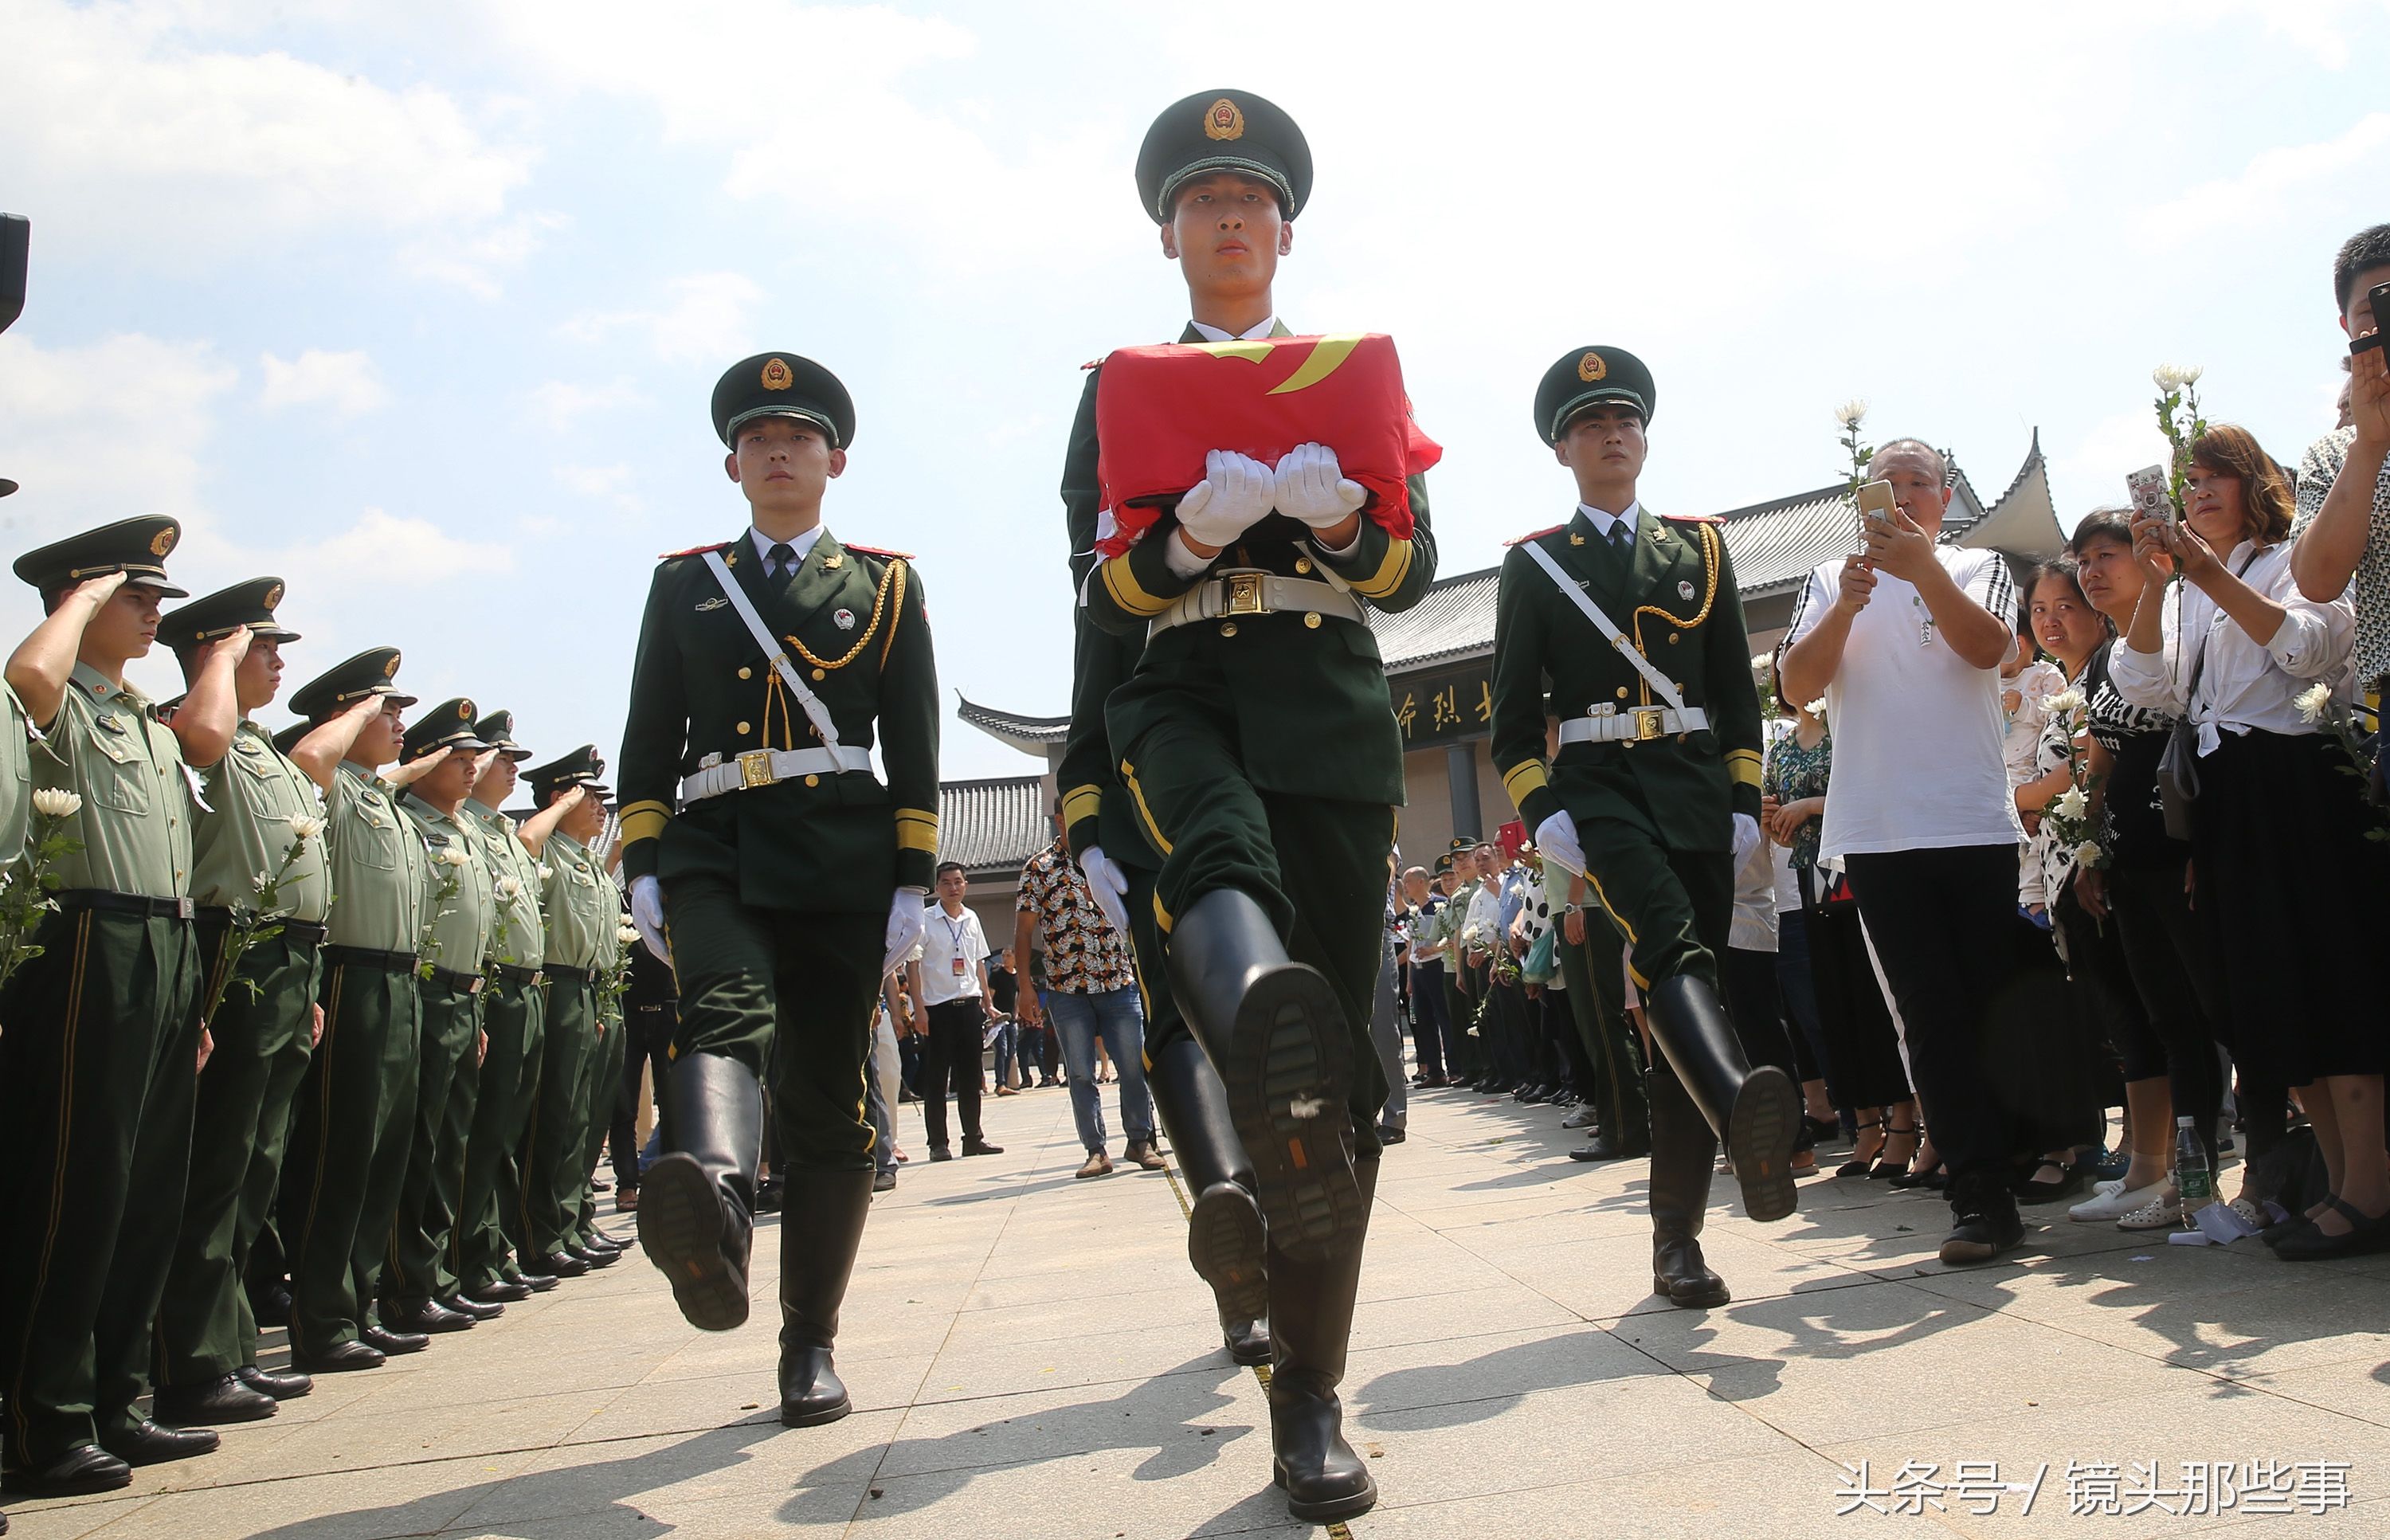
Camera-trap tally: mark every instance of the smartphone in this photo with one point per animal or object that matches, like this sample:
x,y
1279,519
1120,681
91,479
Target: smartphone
x,y
2147,488
1877,506
2379,298
15,236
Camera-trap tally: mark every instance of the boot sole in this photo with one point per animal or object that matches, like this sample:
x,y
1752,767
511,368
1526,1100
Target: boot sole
x,y
1330,1509
1229,1249
1720,1296
1759,1139
815,1418
1291,1056
680,1229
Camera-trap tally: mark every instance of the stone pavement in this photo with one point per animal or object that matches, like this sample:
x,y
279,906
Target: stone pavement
x,y
1031,1357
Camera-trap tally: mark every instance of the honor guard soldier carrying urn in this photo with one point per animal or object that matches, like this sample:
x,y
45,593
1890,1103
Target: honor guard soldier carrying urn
x,y
1230,785
1653,794
769,864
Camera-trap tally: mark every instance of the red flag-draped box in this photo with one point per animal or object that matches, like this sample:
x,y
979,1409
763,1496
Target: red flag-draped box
x,y
1160,409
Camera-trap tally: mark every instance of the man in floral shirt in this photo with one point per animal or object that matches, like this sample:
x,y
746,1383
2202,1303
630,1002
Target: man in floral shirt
x,y
1091,988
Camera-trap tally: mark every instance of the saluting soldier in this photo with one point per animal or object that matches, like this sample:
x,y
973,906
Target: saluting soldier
x,y
1653,794
1261,761
259,826
790,880
354,1117
96,1066
458,915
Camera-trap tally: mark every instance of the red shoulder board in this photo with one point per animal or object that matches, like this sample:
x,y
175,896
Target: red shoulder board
x,y
697,550
1536,534
874,551
1694,518
1092,364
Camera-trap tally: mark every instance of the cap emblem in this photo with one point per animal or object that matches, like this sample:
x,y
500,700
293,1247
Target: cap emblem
x,y
777,375
274,596
1224,120
390,668
163,542
465,710
1591,367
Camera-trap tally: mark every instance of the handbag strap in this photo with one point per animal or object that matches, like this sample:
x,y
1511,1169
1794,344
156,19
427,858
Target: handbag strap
x,y
2198,655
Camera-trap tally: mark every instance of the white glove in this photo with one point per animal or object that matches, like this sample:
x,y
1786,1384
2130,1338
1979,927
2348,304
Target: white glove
x,y
1746,838
1233,496
647,914
1556,837
908,916
1311,487
1110,885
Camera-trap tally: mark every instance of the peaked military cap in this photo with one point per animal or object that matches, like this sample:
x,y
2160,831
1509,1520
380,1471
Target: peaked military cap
x,y
225,611
137,547
497,730
1590,376
1443,865
580,767
7,486
448,725
332,691
782,385
288,738
1222,131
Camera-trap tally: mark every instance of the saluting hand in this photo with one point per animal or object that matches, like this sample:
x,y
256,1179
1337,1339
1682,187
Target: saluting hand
x,y
415,770
233,644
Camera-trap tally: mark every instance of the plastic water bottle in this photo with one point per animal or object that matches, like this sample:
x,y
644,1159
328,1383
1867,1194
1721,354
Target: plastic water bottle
x,y
2193,1176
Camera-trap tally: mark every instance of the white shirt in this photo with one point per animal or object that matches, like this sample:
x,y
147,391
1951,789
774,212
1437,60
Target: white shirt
x,y
947,941
1602,522
802,544
1214,334
2242,685
1916,729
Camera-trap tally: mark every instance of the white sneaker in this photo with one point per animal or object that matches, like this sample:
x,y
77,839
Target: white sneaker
x,y
2112,1201
2162,1212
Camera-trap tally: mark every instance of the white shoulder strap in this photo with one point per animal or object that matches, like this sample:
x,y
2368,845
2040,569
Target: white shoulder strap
x,y
1661,684
814,711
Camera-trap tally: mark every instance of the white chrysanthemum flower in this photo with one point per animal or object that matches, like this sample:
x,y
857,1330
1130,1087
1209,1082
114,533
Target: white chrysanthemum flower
x,y
2169,377
1849,413
454,857
2066,702
508,887
2313,702
2190,375
52,802
546,871
626,933
305,827
2073,803
1817,708
2088,853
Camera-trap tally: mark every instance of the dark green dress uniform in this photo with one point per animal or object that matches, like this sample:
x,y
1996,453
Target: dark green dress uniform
x,y
514,1014
262,819
354,1123
779,875
1653,796
95,1077
458,916
1252,738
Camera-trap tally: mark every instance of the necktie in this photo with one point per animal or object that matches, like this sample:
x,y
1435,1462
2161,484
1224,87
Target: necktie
x,y
780,561
1622,537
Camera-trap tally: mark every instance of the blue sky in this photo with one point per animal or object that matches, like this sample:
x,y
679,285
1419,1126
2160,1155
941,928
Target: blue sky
x,y
421,306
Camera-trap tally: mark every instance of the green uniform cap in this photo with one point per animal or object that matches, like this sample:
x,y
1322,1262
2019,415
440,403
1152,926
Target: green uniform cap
x,y
1443,865
1233,131
497,730
332,691
580,767
137,547
448,725
782,385
1590,376
225,611
7,486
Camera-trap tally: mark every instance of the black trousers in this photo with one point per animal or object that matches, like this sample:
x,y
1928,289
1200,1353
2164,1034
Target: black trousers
x,y
1752,999
2181,997
647,1045
953,1054
1861,1043
1943,922
1430,1017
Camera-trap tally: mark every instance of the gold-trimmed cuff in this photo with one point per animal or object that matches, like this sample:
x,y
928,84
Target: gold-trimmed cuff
x,y
1743,766
917,829
1121,583
1081,802
1391,571
644,821
1524,780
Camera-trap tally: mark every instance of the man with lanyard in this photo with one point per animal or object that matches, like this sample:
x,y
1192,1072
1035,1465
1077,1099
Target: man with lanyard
x,y
261,815
457,918
1654,794
584,913
96,1065
790,880
1262,764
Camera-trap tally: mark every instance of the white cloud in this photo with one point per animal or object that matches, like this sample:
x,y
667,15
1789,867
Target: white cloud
x,y
104,430
562,403
609,484
394,551
2267,184
347,382
705,320
474,262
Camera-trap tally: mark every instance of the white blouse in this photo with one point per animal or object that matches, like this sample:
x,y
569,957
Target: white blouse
x,y
2242,685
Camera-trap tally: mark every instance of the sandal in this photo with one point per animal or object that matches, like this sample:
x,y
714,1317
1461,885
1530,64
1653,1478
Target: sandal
x,y
1890,1170
1861,1164
2035,1190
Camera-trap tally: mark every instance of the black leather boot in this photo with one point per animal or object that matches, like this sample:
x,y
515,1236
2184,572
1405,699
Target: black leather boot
x,y
1311,1322
1684,1152
1224,1237
1756,1113
696,1203
821,1228
1277,1034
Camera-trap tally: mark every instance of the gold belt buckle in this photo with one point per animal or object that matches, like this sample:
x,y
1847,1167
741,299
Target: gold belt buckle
x,y
1245,594
1646,724
755,769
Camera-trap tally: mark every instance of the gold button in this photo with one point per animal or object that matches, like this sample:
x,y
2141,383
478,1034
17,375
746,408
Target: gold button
x,y
813,781
819,675
1622,692
1227,628
746,673
1674,637
1303,564
743,729
1312,620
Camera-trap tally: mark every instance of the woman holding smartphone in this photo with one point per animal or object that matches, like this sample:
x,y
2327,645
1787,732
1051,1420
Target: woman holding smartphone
x,y
2287,886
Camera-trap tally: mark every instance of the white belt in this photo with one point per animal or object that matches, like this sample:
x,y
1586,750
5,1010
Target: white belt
x,y
1229,594
769,766
1607,724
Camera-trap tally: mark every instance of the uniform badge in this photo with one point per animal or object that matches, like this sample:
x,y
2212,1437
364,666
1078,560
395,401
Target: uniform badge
x,y
843,620
776,375
390,668
1223,119
465,710
1684,590
163,542
274,596
832,563
716,602
1591,367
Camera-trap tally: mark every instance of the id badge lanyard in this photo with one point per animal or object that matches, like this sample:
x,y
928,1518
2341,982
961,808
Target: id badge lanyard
x,y
954,932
